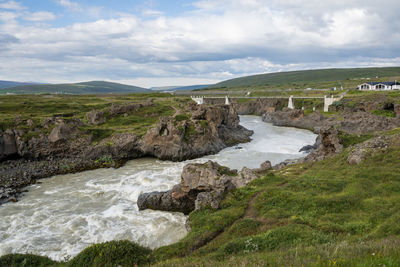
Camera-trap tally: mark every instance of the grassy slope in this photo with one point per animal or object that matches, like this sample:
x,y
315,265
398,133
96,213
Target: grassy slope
x,y
307,214
324,78
94,87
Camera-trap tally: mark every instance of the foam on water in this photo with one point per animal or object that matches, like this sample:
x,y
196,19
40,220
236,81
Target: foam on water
x,y
64,214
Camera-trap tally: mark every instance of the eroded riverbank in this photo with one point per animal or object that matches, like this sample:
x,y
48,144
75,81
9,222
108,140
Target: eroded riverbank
x,y
63,214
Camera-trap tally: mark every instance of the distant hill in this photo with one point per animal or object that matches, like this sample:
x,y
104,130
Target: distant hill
x,y
174,88
94,87
8,84
321,75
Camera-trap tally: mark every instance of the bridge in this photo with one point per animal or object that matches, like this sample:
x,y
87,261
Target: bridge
x,y
328,101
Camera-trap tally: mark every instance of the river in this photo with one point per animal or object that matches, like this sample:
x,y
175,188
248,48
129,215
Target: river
x,y
60,216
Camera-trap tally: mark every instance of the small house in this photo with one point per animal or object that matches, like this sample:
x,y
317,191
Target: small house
x,y
378,86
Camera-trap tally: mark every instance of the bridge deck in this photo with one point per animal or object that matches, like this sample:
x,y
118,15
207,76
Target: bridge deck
x,y
261,97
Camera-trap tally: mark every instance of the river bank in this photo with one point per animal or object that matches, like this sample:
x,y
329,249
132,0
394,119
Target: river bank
x,y
106,198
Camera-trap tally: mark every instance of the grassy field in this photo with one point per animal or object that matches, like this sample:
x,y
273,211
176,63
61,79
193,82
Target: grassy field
x,y
321,79
94,87
15,108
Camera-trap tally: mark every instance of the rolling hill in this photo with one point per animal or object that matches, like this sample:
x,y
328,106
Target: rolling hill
x,y
320,75
94,87
184,88
8,84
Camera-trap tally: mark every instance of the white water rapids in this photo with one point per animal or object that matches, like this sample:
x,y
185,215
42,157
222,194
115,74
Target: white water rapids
x,y
62,215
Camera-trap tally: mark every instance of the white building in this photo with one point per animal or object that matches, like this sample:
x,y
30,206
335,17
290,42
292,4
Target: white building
x,y
379,86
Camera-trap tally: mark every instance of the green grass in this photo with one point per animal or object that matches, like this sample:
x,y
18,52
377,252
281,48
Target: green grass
x,y
94,87
114,253
68,107
309,78
316,210
349,139
386,113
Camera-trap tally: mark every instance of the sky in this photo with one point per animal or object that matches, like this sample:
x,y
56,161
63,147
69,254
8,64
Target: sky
x,y
152,43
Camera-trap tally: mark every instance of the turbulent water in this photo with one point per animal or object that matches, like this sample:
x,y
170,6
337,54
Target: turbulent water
x,y
62,215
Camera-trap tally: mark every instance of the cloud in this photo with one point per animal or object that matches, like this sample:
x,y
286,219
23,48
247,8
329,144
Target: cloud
x,y
216,40
152,13
8,16
69,4
11,5
40,16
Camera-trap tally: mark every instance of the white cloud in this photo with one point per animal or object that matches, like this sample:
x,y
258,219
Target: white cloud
x,y
152,13
11,5
69,4
221,39
8,16
39,16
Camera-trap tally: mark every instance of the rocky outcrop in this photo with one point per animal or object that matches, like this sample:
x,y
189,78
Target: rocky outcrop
x,y
63,132
330,145
117,109
349,122
360,151
8,144
364,122
259,106
201,185
296,118
206,130
96,117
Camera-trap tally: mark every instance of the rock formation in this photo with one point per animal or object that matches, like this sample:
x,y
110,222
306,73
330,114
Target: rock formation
x,y
207,130
201,185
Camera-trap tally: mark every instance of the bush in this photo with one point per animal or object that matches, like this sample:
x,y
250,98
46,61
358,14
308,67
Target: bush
x,y
182,117
25,260
113,253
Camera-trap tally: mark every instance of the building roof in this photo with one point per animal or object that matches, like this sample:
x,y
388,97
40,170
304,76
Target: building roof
x,y
385,83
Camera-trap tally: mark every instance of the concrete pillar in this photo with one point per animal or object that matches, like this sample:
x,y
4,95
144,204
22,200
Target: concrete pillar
x,y
290,104
226,100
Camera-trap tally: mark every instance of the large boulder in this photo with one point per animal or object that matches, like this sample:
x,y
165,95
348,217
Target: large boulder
x,y
202,185
63,132
8,144
96,117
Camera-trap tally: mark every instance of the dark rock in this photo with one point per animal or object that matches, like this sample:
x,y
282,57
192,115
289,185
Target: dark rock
x,y
201,185
8,145
307,148
330,144
266,165
164,201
